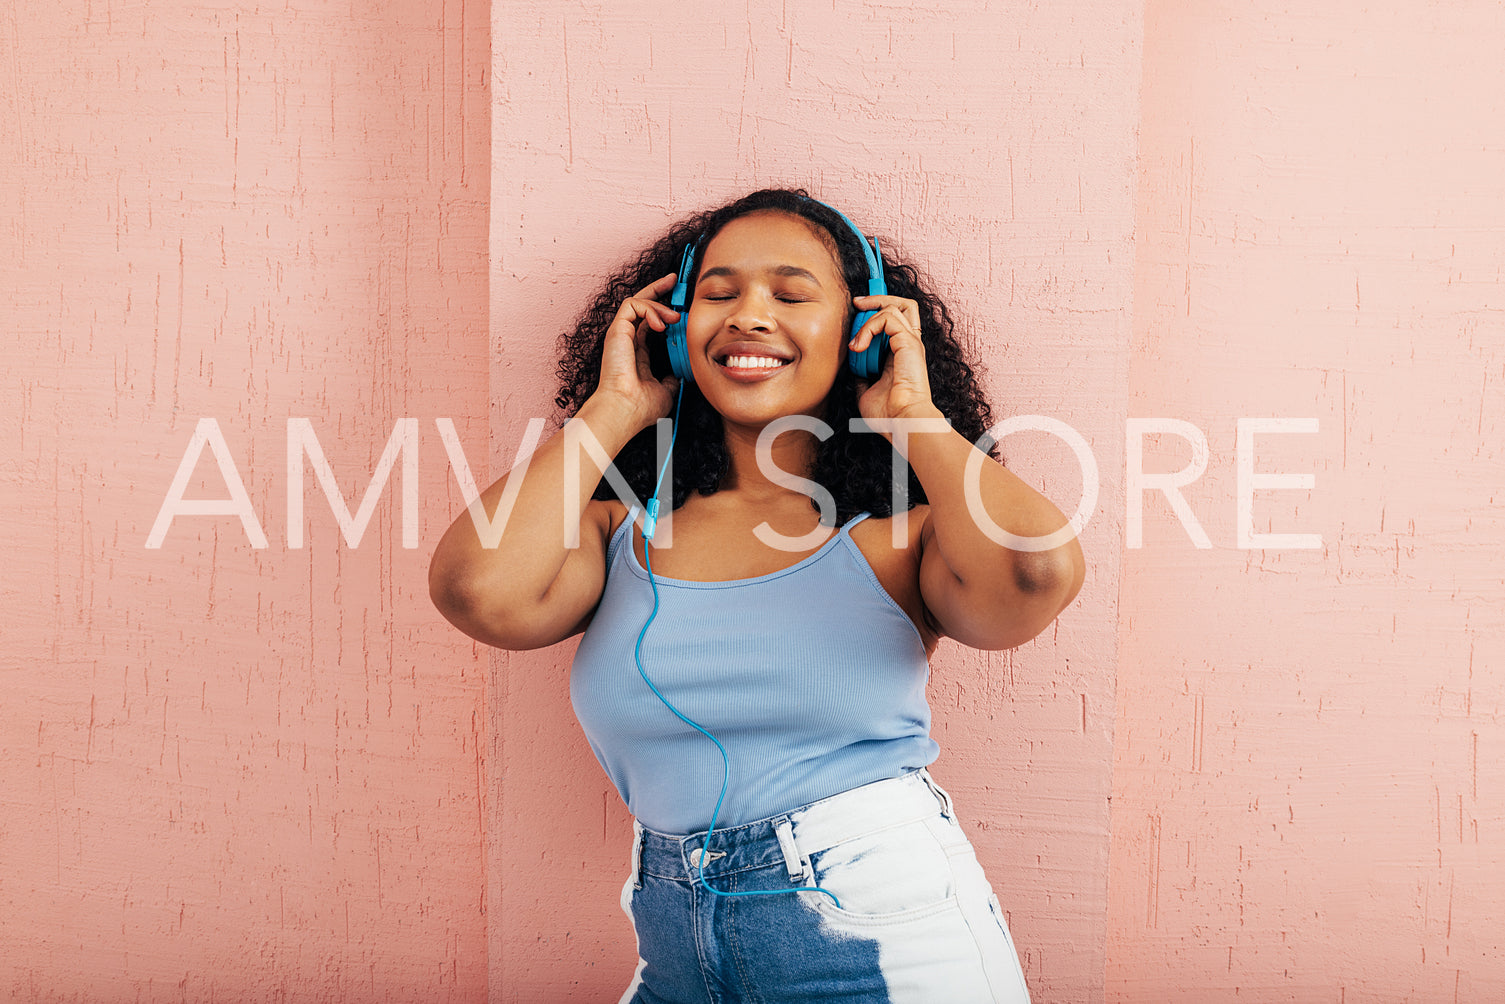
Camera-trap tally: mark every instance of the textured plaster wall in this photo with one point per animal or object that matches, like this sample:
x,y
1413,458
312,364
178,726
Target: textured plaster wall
x,y
240,773
230,773
1308,797
993,144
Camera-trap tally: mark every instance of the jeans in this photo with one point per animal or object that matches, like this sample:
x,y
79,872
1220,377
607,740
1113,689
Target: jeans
x,y
917,921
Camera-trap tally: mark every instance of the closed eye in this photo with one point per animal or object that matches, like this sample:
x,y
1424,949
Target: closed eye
x,y
782,299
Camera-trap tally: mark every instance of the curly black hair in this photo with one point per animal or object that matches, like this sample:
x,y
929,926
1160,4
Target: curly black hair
x,y
856,468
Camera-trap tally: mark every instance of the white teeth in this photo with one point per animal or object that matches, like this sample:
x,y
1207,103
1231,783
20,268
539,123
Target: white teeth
x,y
752,362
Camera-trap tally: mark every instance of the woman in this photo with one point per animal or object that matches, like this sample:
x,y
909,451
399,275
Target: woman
x,y
756,689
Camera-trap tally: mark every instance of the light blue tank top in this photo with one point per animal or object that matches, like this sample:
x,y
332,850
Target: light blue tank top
x,y
812,677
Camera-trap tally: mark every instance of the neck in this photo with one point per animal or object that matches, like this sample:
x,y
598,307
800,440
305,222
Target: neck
x,y
792,455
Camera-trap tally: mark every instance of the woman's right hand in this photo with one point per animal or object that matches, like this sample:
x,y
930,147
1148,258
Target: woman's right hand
x,y
626,380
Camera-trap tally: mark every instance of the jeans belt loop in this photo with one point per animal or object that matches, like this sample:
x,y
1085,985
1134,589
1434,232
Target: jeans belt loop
x,y
637,854
798,865
940,794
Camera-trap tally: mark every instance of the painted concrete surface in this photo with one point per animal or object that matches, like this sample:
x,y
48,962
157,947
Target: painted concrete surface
x,y
1307,797
233,773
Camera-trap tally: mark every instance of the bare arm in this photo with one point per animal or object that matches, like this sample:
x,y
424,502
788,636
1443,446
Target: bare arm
x,y
980,592
976,590
533,588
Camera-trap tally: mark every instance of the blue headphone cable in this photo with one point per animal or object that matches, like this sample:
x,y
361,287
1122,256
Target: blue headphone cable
x,y
650,524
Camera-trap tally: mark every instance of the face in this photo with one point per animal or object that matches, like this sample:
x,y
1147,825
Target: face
x,y
768,322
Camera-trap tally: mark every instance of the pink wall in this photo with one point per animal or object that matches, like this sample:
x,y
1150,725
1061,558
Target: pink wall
x,y
1308,799
233,773
995,146
240,773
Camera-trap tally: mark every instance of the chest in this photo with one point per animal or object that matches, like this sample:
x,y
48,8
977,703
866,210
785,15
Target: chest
x,y
703,548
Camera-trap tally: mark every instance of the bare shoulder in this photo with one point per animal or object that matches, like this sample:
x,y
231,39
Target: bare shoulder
x,y
892,547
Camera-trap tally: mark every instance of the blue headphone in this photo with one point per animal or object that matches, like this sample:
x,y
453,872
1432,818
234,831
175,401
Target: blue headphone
x,y
867,364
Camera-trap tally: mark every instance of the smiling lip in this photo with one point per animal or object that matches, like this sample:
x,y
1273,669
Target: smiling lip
x,y
747,361
752,368
750,361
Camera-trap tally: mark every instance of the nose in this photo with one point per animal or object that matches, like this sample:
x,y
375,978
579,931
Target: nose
x,y
753,312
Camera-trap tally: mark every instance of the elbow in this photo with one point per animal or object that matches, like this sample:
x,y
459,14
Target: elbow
x,y
446,594
1051,578
483,614
452,598
1020,609
456,597
1026,593
464,610
447,586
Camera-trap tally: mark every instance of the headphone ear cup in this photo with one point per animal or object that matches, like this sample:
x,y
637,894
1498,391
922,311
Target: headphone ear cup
x,y
675,335
679,353
867,364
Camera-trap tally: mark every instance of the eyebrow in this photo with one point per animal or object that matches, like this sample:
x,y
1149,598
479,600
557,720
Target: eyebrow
x,y
786,271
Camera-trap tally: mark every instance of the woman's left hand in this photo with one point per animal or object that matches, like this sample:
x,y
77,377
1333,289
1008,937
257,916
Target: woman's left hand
x,y
902,390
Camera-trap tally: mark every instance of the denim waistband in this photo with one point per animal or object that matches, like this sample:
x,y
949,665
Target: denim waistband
x,y
790,837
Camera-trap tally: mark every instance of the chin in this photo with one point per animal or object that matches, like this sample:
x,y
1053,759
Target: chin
x,y
757,417
745,403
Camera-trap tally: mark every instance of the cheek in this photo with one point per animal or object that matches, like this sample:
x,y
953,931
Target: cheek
x,y
699,324
834,334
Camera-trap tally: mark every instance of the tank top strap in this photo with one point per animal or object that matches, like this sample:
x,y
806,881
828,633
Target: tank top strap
x,y
623,533
846,527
